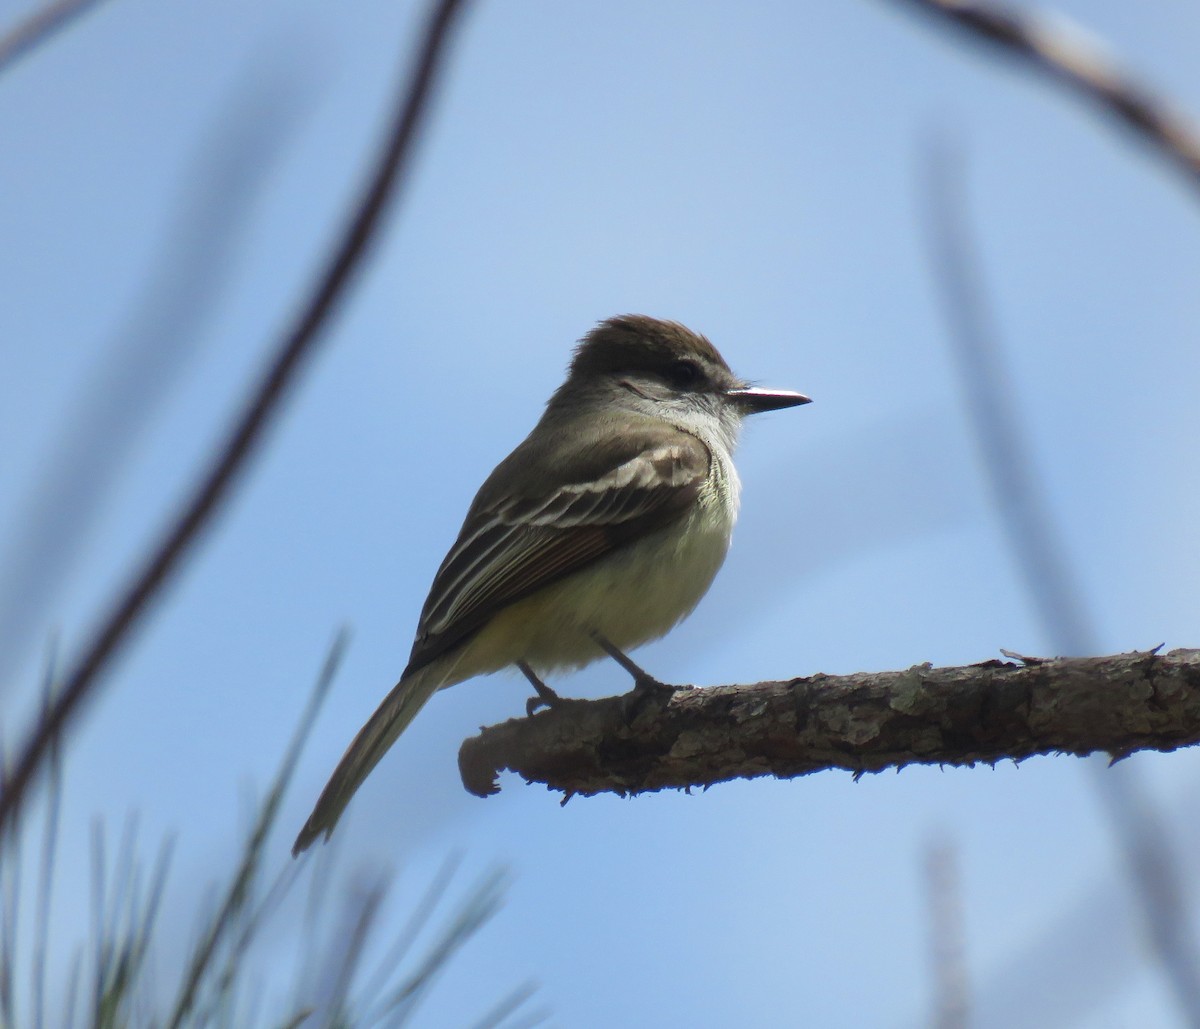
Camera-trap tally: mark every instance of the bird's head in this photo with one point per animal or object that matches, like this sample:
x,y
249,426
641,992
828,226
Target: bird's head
x,y
663,369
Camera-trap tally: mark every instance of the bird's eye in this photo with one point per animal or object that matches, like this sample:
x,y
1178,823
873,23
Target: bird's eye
x,y
684,374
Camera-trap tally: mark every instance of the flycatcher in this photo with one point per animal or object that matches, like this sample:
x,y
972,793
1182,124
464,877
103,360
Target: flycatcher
x,y
600,532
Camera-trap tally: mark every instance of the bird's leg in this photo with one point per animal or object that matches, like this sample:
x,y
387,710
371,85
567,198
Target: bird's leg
x,y
645,685
546,697
642,680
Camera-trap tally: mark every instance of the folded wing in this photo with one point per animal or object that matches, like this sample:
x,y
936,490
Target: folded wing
x,y
515,544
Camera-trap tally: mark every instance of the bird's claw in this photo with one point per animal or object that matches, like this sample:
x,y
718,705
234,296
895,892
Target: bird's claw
x,y
545,698
646,689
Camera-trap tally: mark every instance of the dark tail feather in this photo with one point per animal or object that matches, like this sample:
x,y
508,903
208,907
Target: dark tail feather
x,y
390,719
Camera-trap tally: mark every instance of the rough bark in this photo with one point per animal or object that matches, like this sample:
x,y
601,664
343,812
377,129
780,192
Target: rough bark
x,y
680,737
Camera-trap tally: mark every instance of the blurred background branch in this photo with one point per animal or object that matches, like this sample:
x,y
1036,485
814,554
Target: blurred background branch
x,y
263,405
149,353
1041,557
39,27
118,976
1055,47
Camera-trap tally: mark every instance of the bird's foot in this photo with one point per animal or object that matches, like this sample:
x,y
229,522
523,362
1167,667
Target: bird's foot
x,y
645,686
546,697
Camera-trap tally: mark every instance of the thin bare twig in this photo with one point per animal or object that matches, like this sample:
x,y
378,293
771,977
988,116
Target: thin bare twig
x,y
1067,55
38,27
263,406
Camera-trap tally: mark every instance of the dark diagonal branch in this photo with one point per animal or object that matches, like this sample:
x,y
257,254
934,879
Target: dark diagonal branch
x,y
1069,57
858,723
264,404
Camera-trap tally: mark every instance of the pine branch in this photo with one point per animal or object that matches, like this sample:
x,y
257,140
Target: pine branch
x,y
682,737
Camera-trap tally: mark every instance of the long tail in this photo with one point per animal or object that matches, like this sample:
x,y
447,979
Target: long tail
x,y
390,719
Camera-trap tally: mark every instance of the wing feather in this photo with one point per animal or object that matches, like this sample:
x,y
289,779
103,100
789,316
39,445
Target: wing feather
x,y
515,542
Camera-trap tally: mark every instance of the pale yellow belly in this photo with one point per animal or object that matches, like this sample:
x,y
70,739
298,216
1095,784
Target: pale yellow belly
x,y
630,597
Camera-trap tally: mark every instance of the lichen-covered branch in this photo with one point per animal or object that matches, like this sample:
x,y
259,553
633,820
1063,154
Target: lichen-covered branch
x,y
683,736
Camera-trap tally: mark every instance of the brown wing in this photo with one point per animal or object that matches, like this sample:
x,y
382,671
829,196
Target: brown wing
x,y
515,542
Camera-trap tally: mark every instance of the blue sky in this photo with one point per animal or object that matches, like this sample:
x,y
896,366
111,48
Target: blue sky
x,y
754,173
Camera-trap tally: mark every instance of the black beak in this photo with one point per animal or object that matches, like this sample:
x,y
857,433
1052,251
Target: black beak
x,y
752,400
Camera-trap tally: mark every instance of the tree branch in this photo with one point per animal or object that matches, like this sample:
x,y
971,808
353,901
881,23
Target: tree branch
x,y
684,736
214,485
1060,51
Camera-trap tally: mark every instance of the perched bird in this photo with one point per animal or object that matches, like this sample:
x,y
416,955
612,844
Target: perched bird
x,y
600,532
